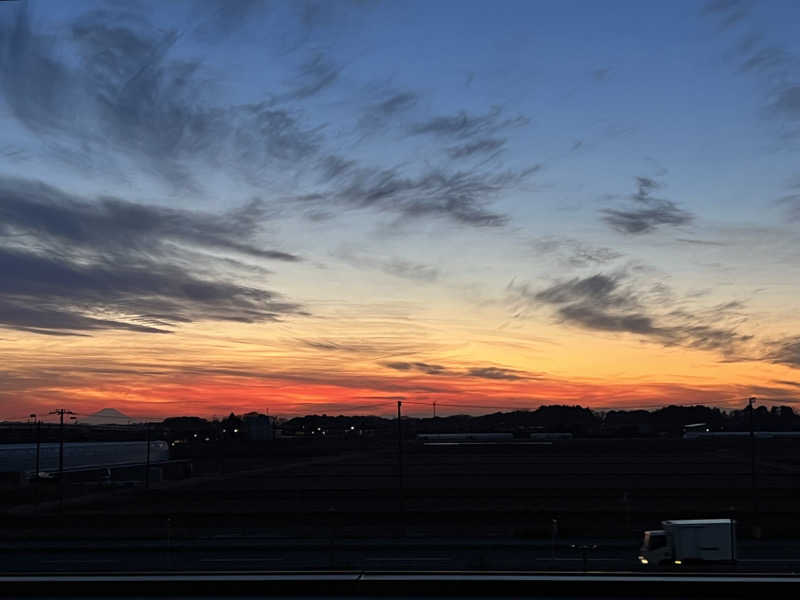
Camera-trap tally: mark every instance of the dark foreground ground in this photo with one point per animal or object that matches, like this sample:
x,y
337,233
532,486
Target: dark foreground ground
x,y
455,507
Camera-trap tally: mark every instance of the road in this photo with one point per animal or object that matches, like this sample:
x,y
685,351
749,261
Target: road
x,y
257,554
342,584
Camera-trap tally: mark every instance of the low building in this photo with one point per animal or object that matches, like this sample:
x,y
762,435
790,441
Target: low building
x,y
257,427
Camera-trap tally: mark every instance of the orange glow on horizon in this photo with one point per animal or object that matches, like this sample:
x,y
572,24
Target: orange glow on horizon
x,y
218,396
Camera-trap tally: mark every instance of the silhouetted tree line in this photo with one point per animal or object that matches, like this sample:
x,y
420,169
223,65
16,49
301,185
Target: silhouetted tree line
x,y
580,421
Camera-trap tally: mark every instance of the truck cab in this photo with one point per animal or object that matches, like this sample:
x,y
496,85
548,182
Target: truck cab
x,y
655,550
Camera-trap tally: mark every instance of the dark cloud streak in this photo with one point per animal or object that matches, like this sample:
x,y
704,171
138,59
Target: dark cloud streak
x,y
785,352
648,213
496,373
493,373
485,146
314,76
73,265
610,302
378,115
464,126
34,209
461,197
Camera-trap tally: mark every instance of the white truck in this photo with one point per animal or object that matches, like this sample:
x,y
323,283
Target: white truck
x,y
690,541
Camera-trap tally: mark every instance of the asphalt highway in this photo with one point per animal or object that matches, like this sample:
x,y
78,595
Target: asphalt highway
x,y
230,554
373,584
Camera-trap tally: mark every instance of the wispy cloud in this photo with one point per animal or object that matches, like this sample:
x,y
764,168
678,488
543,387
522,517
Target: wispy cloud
x,y
787,382
573,252
314,75
46,215
378,115
728,11
464,125
130,97
774,66
73,265
645,220
427,368
612,302
602,74
785,351
374,348
219,18
774,69
698,242
792,200
494,373
484,146
477,372
460,197
648,212
398,267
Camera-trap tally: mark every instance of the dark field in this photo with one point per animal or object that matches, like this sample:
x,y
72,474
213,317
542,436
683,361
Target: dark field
x,y
605,488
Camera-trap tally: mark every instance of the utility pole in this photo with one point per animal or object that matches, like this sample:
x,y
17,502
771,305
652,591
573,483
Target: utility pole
x,y
36,460
61,412
434,409
400,464
221,434
38,446
147,461
750,402
554,534
400,444
36,431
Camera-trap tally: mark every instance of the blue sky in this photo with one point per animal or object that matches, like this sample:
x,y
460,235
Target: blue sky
x,y
494,175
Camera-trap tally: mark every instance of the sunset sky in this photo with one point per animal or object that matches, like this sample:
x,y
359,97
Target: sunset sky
x,y
330,206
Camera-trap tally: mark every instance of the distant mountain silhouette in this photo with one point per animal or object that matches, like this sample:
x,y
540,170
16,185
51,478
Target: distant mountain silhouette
x,y
107,416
